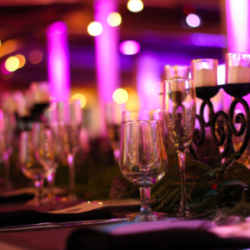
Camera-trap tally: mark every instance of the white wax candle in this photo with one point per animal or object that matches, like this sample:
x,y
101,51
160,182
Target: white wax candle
x,y
204,77
238,74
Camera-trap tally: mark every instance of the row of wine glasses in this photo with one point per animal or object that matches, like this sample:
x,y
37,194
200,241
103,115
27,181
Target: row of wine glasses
x,y
143,159
51,139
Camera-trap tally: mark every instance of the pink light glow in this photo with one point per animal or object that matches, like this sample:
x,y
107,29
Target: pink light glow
x,y
58,61
107,58
149,72
129,47
193,20
3,69
237,25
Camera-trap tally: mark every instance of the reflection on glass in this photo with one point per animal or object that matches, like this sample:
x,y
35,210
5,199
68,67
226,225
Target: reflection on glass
x,y
143,157
113,117
70,121
179,112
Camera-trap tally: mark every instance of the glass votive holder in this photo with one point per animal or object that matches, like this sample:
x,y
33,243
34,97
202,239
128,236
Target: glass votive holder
x,y
176,72
204,72
237,68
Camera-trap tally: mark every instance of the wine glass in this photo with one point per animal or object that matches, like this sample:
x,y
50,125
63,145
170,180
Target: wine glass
x,y
179,112
30,166
113,115
176,72
70,121
143,158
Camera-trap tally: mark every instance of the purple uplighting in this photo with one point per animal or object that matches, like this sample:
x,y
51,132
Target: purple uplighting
x,y
208,40
149,73
129,47
237,25
58,61
193,20
107,58
4,70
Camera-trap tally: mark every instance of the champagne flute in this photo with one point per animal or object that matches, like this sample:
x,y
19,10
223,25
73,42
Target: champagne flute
x,y
143,158
70,121
179,111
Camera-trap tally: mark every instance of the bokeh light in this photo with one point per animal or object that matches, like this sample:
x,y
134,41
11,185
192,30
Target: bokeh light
x,y
80,97
129,47
135,5
12,64
35,56
114,19
21,60
95,29
120,96
193,20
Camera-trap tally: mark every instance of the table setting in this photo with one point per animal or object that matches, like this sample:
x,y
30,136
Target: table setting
x,y
171,192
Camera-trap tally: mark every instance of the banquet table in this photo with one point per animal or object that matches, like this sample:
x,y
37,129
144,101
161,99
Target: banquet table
x,y
119,234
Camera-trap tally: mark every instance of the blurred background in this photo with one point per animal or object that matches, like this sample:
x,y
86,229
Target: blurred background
x,y
162,32
109,51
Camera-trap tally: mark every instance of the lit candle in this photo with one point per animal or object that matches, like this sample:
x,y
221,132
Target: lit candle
x,y
237,68
204,72
238,74
205,77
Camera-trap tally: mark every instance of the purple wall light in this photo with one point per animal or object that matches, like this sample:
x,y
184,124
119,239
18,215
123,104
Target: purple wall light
x,y
58,61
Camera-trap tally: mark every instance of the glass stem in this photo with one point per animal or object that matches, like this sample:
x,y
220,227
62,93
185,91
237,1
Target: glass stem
x,y
39,186
184,210
71,173
145,199
8,186
51,182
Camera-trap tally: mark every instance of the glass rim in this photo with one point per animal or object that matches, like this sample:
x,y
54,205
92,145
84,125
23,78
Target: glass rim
x,y
139,111
180,66
204,60
180,80
236,53
67,101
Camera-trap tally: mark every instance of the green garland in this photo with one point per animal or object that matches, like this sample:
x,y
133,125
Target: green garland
x,y
214,191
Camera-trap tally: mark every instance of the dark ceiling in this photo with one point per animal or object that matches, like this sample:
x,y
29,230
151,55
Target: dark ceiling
x,y
158,27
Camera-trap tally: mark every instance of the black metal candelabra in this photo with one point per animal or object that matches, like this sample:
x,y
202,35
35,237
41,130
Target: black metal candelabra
x,y
222,132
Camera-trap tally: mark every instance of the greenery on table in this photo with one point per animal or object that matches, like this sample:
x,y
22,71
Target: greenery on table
x,y
214,190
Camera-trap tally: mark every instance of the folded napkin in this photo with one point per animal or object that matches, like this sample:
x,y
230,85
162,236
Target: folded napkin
x,y
25,217
172,238
17,198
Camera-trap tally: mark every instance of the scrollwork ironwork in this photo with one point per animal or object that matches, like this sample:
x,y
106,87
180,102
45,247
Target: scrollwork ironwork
x,y
222,133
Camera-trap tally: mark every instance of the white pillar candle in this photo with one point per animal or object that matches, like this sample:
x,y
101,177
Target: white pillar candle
x,y
205,77
238,74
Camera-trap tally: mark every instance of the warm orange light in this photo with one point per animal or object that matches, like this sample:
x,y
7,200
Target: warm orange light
x,y
135,5
35,56
12,64
120,96
80,97
21,60
10,46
